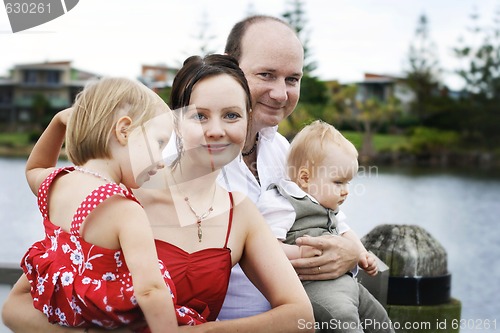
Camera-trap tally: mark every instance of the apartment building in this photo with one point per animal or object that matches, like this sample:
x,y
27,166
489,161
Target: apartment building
x,y
32,93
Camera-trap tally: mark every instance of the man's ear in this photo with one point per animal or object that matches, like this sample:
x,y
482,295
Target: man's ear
x,y
121,129
303,177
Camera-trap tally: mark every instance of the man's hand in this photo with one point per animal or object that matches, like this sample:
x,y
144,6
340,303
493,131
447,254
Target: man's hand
x,y
338,256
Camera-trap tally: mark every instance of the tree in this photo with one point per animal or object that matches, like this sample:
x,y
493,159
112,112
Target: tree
x,y
295,15
423,72
313,92
365,115
250,11
203,39
481,57
40,105
204,36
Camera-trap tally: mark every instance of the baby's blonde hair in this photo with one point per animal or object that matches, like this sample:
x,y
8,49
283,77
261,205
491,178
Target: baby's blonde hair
x,y
309,147
98,107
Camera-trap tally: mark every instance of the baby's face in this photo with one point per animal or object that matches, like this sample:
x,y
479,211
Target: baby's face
x,y
330,180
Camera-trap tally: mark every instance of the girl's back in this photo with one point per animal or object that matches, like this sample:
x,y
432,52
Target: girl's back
x,y
78,282
69,190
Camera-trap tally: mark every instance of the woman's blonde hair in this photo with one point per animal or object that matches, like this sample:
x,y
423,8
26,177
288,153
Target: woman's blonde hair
x,y
96,109
309,147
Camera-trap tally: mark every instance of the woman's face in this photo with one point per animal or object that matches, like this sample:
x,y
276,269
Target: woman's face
x,y
213,129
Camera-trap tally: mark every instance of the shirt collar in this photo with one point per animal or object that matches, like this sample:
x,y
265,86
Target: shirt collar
x,y
292,189
268,133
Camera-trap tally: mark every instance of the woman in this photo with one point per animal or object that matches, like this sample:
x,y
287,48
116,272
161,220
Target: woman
x,y
210,221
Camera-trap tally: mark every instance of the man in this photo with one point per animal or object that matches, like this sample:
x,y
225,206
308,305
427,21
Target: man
x,y
271,56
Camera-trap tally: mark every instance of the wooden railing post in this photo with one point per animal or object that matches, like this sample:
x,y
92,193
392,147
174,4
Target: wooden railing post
x,y
419,286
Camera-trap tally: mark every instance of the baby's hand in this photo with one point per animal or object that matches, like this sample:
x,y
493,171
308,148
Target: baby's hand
x,y
368,263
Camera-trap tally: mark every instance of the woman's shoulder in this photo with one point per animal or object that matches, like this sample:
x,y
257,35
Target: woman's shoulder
x,y
245,210
241,200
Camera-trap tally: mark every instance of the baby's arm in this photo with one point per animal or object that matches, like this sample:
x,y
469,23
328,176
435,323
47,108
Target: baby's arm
x,y
366,259
280,215
296,252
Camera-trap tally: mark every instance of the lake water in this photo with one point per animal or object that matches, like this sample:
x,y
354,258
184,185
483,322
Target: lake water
x,y
461,209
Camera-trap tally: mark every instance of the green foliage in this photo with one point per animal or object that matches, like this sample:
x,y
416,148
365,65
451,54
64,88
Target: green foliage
x,y
41,106
296,121
474,117
165,94
14,139
367,114
313,91
479,111
430,140
482,60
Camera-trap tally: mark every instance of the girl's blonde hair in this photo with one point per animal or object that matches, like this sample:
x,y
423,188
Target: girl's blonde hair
x,y
96,109
309,147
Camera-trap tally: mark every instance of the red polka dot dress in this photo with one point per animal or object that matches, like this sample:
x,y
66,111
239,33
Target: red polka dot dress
x,y
78,284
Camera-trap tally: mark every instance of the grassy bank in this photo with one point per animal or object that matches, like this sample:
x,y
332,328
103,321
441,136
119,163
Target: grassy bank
x,y
15,144
19,144
381,142
391,150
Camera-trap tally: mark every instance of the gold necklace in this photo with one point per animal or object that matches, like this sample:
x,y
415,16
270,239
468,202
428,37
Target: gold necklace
x,y
199,218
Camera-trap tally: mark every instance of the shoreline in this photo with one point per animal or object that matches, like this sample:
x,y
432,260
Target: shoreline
x,y
467,159
15,152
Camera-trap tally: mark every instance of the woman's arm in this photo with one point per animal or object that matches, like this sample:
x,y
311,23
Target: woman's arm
x,y
266,265
19,315
46,151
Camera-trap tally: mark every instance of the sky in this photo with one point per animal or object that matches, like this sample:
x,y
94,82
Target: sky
x,y
347,38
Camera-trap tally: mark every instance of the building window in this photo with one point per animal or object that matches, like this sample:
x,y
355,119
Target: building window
x,y
5,97
53,77
30,77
